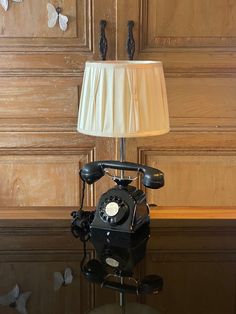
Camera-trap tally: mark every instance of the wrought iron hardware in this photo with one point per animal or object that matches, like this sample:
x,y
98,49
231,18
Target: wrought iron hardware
x,y
103,40
130,45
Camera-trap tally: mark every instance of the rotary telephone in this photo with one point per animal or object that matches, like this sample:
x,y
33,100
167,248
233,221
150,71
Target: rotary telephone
x,y
124,207
118,227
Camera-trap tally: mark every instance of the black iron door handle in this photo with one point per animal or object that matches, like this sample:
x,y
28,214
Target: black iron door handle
x,y
103,40
130,45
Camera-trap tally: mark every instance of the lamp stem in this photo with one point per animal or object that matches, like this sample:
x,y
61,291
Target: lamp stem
x,y
122,297
122,154
122,149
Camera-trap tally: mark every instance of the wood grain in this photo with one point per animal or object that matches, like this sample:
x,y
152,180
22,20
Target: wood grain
x,y
41,73
39,104
199,23
61,214
197,102
41,180
194,179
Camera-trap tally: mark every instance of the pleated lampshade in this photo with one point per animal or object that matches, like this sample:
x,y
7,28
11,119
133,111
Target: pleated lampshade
x,y
123,99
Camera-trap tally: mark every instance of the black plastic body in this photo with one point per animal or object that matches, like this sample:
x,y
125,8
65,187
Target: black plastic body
x,y
133,211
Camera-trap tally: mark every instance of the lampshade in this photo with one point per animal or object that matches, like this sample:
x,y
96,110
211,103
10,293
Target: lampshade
x,y
123,99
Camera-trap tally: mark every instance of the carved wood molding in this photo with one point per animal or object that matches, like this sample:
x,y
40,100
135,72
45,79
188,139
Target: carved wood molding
x,y
87,152
44,256
178,151
203,124
75,71
156,42
43,64
38,125
31,142
171,256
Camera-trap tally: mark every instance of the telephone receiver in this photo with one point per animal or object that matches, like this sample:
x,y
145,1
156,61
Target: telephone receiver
x,y
152,178
95,272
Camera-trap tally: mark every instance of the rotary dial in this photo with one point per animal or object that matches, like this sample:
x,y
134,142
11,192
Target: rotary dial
x,y
113,210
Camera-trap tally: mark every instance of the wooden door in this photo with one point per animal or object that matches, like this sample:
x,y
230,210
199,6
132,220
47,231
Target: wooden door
x,y
41,71
195,40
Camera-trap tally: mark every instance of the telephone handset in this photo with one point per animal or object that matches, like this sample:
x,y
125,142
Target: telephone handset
x,y
152,178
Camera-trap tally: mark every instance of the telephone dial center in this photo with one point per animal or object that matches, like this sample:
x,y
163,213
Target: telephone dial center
x,y
111,209
112,262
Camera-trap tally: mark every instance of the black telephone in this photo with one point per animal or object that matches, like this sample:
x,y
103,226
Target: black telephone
x,y
119,226
124,207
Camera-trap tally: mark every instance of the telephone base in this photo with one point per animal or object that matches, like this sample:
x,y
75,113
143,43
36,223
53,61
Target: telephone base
x,y
122,209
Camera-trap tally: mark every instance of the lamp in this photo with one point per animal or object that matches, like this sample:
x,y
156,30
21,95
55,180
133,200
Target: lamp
x,y
120,99
123,99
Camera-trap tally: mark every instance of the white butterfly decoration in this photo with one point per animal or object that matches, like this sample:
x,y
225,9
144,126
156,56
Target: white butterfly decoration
x,y
53,15
4,3
16,299
62,280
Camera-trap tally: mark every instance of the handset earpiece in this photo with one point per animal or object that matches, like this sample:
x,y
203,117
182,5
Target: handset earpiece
x,y
92,172
150,284
151,179
94,271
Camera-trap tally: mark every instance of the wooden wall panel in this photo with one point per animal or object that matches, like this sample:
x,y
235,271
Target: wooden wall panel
x,y
42,180
41,72
35,102
193,178
35,25
41,153
42,64
39,145
190,37
196,23
202,102
31,29
39,104
195,40
199,167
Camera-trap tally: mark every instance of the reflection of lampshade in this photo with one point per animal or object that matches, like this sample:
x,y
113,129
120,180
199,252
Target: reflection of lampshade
x,y
123,99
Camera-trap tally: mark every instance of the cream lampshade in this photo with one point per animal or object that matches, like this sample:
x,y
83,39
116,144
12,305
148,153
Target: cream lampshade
x,y
123,99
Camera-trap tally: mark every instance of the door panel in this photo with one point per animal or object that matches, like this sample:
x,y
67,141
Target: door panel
x,y
41,72
193,40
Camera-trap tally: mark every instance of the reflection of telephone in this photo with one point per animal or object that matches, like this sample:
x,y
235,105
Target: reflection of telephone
x,y
122,208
